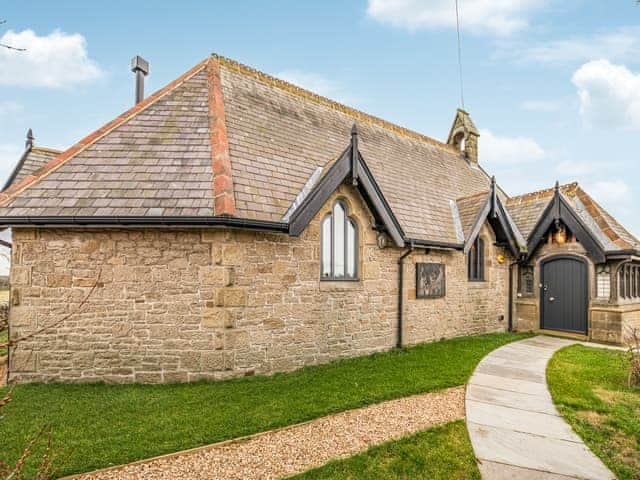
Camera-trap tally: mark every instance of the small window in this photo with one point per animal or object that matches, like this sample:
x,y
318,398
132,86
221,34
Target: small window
x,y
603,281
629,281
475,261
525,286
339,239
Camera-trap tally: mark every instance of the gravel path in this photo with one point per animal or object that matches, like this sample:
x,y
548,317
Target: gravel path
x,y
300,447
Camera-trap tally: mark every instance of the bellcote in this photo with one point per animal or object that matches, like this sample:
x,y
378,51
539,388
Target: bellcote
x,y
464,135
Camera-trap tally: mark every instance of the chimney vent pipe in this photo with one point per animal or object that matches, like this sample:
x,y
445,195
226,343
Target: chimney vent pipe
x,y
140,67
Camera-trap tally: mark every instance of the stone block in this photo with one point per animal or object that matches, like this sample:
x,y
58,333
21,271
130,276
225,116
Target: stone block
x,y
218,276
190,361
89,246
164,331
23,361
234,339
233,254
148,377
20,275
212,361
231,297
216,318
123,329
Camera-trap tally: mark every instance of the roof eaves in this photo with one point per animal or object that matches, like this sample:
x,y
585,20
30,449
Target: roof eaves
x,y
145,221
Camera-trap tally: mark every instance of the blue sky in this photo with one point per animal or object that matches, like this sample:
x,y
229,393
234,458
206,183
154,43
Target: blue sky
x,y
554,86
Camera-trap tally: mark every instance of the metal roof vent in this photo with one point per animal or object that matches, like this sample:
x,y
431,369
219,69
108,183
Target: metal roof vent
x,y
140,67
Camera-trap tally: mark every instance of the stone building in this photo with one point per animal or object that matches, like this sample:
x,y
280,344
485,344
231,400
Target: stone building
x,y
233,224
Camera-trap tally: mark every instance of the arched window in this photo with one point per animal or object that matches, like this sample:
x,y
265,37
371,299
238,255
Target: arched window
x,y
339,240
475,261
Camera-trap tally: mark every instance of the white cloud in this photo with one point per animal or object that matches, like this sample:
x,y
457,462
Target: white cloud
x,y
317,84
497,17
500,151
609,95
578,168
609,191
56,60
619,45
540,105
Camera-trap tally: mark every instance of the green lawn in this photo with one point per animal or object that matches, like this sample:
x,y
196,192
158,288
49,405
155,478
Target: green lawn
x,y
589,386
441,453
104,425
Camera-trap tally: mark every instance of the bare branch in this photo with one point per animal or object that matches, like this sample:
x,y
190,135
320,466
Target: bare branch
x,y
9,47
77,310
13,48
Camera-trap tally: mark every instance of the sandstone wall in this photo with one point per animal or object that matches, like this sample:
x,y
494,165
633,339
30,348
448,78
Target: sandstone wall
x,y
183,305
609,319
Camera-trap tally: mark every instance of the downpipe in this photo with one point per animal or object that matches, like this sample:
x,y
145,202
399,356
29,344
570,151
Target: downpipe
x,y
401,293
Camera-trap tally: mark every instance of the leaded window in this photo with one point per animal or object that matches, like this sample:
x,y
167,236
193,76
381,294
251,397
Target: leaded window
x,y
475,261
339,239
526,281
629,281
603,281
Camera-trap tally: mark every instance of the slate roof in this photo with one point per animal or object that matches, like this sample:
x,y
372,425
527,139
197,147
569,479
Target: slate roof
x,y
157,160
527,209
33,159
229,138
469,209
279,134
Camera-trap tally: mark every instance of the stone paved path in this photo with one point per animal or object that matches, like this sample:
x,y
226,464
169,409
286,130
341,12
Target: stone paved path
x,y
515,429
300,447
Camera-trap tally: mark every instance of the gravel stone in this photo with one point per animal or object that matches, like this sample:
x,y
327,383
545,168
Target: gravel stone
x,y
297,448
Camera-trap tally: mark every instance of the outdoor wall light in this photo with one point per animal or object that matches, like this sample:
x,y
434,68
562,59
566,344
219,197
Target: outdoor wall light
x,y
382,240
561,236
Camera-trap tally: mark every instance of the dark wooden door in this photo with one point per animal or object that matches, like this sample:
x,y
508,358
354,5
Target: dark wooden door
x,y
564,294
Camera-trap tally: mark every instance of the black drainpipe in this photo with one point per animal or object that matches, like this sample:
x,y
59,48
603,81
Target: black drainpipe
x,y
510,316
401,292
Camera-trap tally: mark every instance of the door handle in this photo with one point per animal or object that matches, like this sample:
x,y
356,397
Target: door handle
x,y
552,299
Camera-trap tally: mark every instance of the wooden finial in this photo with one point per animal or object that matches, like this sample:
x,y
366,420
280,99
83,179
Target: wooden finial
x,y
29,142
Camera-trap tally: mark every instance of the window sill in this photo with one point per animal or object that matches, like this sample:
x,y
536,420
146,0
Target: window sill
x,y
336,285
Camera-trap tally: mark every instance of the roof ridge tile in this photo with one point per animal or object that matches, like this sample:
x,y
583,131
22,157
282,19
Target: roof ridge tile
x,y
567,189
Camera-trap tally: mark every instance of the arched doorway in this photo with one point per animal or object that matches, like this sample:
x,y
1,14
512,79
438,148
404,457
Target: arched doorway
x,y
564,296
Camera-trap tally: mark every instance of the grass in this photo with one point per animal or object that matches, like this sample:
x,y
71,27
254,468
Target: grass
x,y
589,386
102,425
440,453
